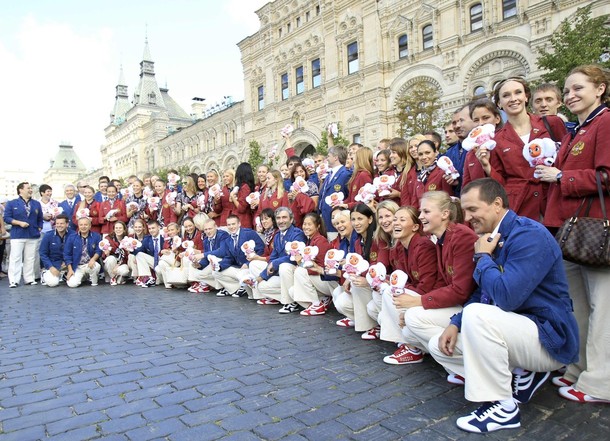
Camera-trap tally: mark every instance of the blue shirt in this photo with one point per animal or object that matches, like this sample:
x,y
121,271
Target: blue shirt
x,y
52,249
279,254
74,246
17,210
458,156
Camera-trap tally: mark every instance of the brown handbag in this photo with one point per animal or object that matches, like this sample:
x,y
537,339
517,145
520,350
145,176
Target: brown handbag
x,y
585,240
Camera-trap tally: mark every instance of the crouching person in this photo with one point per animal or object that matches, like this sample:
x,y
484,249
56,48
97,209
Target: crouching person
x,y
81,254
518,324
52,251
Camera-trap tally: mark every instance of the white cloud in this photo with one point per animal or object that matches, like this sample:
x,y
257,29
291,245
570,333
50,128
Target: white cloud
x,y
242,12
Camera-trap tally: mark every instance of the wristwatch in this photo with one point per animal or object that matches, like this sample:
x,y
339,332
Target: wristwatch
x,y
559,176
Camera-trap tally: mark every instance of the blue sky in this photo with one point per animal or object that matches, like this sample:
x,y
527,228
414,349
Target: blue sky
x,y
60,63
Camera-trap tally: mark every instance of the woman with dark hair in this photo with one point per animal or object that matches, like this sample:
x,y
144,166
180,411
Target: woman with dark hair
x,y
116,258
192,233
299,170
136,204
309,287
430,177
244,181
526,194
269,230
201,183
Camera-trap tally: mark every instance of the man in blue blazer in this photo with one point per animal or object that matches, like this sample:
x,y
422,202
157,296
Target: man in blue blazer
x,y
52,251
336,181
24,214
82,254
234,264
69,204
200,272
267,289
147,256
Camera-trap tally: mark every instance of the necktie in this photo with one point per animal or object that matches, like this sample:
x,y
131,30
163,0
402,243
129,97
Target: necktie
x,y
70,204
234,236
328,178
283,240
156,256
211,244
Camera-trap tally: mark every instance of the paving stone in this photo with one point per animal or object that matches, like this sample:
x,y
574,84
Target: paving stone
x,y
76,422
245,421
280,429
157,430
208,432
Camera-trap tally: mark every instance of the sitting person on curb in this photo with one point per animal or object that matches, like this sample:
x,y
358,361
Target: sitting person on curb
x,y
519,323
52,251
267,289
200,273
81,254
147,256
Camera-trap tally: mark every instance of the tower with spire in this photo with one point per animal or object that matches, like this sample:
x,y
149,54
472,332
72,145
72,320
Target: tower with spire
x,y
121,101
147,92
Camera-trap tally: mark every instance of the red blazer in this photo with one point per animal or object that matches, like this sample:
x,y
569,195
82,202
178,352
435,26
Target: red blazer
x,y
107,226
455,269
435,182
577,159
472,169
269,246
273,202
379,252
243,209
94,214
391,171
362,177
406,192
301,205
323,246
419,262
119,253
167,211
224,207
526,194
196,238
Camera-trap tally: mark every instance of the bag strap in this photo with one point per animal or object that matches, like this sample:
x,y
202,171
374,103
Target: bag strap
x,y
548,128
600,190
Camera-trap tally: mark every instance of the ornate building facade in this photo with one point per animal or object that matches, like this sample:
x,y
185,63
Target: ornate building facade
x,y
318,61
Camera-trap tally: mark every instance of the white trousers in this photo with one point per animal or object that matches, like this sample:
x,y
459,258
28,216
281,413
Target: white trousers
x,y
374,306
423,324
166,262
308,289
133,265
22,259
205,275
50,280
388,319
113,269
267,288
286,282
82,271
230,279
492,343
353,305
144,262
590,292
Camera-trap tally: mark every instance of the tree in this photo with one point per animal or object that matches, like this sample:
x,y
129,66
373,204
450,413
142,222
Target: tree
x,y
581,40
322,147
418,109
183,172
255,157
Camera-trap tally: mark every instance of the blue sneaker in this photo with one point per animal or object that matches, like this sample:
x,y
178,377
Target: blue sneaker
x,y
489,418
526,384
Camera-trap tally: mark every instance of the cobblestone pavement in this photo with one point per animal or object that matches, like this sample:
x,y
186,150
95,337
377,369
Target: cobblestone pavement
x,y
128,363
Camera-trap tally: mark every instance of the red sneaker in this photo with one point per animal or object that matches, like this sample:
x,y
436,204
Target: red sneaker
x,y
372,334
194,286
572,394
314,309
405,355
345,323
561,382
268,301
456,379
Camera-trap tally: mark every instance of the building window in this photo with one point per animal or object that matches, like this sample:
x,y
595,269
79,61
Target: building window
x,y
298,22
285,91
476,17
279,33
298,73
261,97
509,8
307,16
403,46
288,28
479,92
356,138
427,36
318,10
316,76
352,57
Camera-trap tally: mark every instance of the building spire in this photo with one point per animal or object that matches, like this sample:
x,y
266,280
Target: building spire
x,y
148,92
121,100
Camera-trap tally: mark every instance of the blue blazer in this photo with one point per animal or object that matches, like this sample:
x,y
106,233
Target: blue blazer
x,y
530,281
15,210
52,249
74,245
219,239
279,254
337,183
148,246
70,211
234,256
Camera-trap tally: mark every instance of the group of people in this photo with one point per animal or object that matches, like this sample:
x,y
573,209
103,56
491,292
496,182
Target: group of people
x,y
463,268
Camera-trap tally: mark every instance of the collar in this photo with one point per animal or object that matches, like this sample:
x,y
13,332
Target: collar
x,y
598,111
335,169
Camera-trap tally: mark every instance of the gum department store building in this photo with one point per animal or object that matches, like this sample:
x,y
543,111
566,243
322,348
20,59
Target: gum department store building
x,y
313,62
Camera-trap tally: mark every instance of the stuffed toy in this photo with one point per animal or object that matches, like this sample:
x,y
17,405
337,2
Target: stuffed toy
x,y
215,262
540,152
176,242
130,244
446,165
112,213
366,193
82,212
253,198
172,179
481,136
104,245
300,184
171,197
322,170
215,190
333,129
332,260
376,276
354,265
132,206
153,203
384,184
248,248
287,130
294,249
334,199
308,255
147,193
201,200
397,282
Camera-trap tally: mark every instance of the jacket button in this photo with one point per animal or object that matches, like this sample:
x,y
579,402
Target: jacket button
x,y
571,179
429,299
536,193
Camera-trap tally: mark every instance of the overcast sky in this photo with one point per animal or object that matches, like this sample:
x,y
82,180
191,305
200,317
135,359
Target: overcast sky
x,y
60,61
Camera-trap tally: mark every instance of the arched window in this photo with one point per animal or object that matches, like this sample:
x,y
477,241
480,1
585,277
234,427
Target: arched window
x,y
479,92
476,17
427,37
403,46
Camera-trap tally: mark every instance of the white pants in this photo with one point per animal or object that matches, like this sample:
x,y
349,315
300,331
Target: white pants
x,y
82,271
267,288
144,262
230,279
590,292
354,306
423,324
22,258
374,306
388,319
113,269
133,265
49,279
166,262
286,282
308,289
492,343
204,275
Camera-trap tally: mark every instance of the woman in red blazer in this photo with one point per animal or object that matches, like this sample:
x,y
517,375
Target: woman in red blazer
x,y
116,259
274,195
362,175
112,203
586,95
164,213
429,314
223,206
244,180
92,205
430,177
526,194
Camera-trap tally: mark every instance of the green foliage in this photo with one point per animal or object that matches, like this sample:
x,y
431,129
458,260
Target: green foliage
x,y
255,157
322,147
183,171
581,40
418,109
